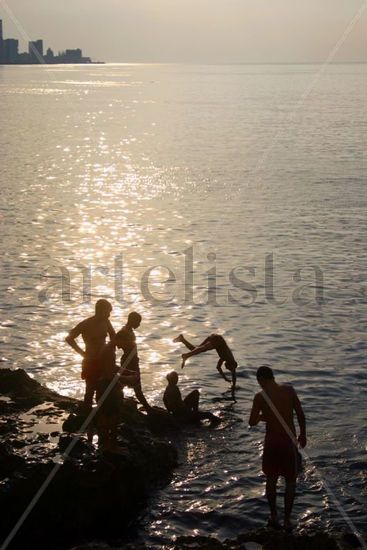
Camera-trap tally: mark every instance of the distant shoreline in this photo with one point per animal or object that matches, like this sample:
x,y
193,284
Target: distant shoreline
x,y
192,63
50,64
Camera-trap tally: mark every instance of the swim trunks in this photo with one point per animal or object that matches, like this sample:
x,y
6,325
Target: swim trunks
x,y
90,369
280,457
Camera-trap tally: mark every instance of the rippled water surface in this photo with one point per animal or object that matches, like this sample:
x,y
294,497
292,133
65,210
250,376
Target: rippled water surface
x,y
209,199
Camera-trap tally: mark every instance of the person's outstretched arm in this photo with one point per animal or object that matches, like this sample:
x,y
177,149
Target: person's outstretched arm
x,y
302,439
220,370
234,380
71,337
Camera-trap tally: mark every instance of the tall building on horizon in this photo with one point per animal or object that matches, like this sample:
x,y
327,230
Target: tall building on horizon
x,y
35,49
10,50
9,53
1,41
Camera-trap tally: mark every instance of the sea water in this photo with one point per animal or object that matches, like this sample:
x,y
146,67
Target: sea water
x,y
226,199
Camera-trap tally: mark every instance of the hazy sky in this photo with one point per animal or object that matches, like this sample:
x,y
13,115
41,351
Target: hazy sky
x,y
213,31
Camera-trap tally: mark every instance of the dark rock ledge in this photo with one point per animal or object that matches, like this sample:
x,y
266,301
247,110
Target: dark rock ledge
x,y
96,497
92,494
261,539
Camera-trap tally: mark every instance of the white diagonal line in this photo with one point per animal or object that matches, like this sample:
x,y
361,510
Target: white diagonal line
x,y
327,487
22,31
51,74
113,382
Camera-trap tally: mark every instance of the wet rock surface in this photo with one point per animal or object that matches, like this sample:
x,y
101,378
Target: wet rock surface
x,y
261,539
90,494
94,496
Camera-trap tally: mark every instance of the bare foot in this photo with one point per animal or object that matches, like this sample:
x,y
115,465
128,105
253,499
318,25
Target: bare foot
x,y
177,339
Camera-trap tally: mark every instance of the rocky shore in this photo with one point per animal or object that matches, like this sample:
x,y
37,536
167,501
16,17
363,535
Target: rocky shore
x,y
261,539
91,494
96,496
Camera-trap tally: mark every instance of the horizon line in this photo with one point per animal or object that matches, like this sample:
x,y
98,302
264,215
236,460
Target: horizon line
x,y
195,63
233,62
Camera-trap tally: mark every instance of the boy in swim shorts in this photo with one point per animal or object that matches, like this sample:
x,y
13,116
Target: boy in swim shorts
x,y
94,332
275,406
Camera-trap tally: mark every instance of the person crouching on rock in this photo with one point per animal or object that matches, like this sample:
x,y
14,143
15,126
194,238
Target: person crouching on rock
x,y
94,331
184,410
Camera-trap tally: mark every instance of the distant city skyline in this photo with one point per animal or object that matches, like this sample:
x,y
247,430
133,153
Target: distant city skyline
x,y
10,54
200,31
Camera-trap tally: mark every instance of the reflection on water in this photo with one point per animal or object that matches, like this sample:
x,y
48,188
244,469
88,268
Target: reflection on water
x,y
144,184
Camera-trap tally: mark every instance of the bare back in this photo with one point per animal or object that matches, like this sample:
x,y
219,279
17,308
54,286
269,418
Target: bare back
x,y
127,342
282,397
222,348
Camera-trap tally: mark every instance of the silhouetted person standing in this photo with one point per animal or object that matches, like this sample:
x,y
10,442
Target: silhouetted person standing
x,y
126,340
275,406
217,342
94,331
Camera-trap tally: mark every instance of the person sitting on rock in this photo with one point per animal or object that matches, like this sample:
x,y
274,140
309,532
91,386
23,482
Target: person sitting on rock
x,y
184,410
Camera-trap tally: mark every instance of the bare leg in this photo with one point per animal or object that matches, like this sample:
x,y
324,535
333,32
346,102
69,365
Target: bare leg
x,y
103,434
182,339
290,491
271,495
192,401
141,398
208,416
90,388
90,435
113,422
207,345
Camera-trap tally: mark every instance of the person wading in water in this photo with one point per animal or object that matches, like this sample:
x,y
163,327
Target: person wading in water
x,y
275,405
